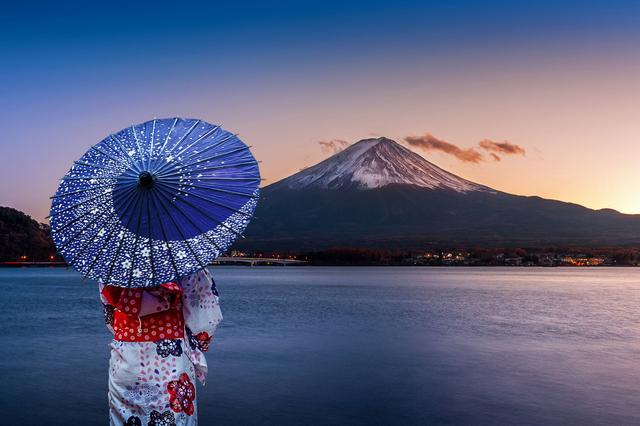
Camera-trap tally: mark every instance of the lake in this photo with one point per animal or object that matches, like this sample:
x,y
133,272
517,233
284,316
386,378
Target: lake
x,y
353,345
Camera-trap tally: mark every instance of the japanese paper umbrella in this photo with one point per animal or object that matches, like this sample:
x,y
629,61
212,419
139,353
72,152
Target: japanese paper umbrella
x,y
154,202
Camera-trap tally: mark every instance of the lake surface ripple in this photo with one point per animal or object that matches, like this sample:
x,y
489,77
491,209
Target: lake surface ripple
x,y
361,346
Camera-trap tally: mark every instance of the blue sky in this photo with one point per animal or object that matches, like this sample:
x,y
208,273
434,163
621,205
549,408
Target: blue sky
x,y
286,75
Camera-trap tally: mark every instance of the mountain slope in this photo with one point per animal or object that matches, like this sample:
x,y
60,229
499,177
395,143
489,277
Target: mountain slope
x,y
377,193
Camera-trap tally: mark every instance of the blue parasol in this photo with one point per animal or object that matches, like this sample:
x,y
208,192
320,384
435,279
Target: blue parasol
x,y
154,202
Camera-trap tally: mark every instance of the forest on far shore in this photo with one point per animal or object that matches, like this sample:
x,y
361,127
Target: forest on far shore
x,y
24,239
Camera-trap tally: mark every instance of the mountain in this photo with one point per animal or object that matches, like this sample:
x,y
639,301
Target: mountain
x,y
377,193
375,163
20,235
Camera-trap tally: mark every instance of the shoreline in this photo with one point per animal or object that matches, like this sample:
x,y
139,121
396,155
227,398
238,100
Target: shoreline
x,y
64,265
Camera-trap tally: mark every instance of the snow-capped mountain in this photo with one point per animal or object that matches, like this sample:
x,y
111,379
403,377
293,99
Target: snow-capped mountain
x,y
375,163
379,194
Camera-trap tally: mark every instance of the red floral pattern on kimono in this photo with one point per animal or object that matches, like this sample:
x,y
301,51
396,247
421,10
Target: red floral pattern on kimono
x,y
182,394
204,340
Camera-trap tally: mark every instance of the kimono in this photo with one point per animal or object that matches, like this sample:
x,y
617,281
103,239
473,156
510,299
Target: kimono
x,y
160,336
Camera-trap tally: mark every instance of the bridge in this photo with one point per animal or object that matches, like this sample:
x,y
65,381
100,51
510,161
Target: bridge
x,y
251,261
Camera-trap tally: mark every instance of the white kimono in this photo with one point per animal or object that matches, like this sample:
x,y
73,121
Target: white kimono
x,y
152,382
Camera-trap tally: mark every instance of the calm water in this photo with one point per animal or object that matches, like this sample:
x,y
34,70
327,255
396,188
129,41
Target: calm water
x,y
383,346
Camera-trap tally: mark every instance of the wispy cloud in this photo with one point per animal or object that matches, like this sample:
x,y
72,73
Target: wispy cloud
x,y
504,147
428,142
333,146
493,150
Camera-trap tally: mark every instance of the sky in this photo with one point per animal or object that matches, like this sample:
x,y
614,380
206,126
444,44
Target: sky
x,y
545,93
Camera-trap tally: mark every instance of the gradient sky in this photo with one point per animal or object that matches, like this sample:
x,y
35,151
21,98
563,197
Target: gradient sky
x,y
560,79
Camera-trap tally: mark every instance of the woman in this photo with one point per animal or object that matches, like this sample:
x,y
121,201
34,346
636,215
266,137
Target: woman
x,y
160,335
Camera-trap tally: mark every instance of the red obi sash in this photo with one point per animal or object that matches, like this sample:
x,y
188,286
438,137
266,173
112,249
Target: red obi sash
x,y
146,315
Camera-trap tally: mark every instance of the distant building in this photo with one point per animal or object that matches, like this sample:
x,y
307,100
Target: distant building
x,y
582,260
513,261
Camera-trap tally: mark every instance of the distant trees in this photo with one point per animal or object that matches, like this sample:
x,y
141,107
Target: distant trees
x,y
491,256
348,256
626,258
22,238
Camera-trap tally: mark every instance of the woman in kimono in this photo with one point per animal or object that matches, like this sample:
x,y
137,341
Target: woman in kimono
x,y
160,336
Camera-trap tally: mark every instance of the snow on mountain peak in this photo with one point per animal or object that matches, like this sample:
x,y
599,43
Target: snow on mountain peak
x,y
374,163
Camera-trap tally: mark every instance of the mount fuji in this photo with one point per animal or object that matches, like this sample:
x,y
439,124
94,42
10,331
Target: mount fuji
x,y
375,163
377,193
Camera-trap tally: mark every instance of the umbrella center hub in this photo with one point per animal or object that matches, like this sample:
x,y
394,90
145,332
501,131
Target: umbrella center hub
x,y
146,180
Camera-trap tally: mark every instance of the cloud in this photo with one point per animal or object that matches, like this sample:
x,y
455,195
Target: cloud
x,y
428,142
493,150
333,146
504,147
